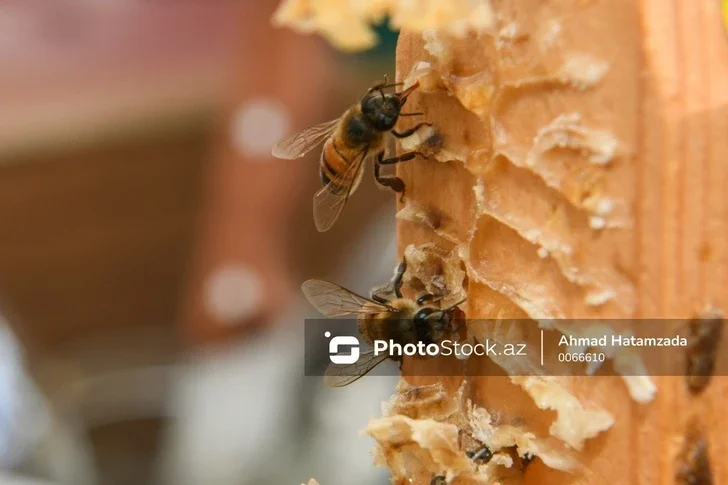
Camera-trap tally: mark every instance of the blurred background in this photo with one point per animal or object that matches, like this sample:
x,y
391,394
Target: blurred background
x,y
151,249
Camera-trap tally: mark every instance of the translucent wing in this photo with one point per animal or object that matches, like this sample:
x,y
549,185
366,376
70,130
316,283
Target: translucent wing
x,y
343,375
330,200
333,300
299,144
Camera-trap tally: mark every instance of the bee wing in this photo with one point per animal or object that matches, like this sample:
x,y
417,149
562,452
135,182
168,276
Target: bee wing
x,y
330,200
299,144
333,300
343,375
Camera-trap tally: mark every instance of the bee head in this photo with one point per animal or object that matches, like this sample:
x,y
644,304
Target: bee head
x,y
439,317
381,110
431,315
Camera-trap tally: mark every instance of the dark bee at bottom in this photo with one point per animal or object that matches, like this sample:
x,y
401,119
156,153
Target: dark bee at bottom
x,y
387,315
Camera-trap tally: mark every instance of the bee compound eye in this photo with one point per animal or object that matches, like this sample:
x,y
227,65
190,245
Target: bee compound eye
x,y
423,314
369,104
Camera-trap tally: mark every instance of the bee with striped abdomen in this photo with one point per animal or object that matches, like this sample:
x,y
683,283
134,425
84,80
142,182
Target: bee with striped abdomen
x,y
349,141
383,317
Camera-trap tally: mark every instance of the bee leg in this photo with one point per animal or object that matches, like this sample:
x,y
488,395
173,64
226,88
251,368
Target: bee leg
x,y
411,131
394,183
399,278
384,294
402,158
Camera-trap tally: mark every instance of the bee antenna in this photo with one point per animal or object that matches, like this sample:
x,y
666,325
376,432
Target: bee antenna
x,y
404,94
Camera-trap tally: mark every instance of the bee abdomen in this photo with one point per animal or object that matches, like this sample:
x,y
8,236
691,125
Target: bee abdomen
x,y
332,164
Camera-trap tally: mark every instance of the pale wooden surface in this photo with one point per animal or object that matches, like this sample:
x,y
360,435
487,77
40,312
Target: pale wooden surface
x,y
665,99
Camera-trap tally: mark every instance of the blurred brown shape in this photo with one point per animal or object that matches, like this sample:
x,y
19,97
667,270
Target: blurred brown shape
x,y
107,118
90,228
105,123
250,198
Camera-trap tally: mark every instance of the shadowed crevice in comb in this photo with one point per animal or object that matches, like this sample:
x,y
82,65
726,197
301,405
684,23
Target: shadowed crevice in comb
x,y
705,336
693,467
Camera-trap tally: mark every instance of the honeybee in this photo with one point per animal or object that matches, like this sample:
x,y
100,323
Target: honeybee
x,y
383,317
349,141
